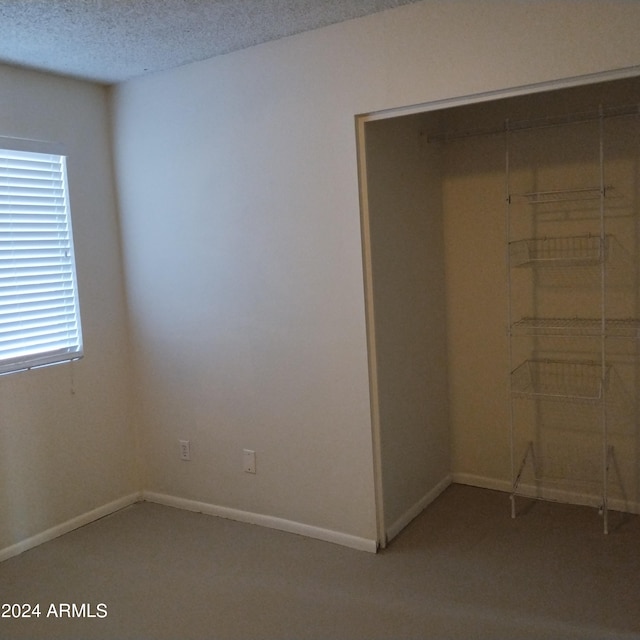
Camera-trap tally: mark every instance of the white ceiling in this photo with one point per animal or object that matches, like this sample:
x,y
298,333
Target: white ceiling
x,y
109,41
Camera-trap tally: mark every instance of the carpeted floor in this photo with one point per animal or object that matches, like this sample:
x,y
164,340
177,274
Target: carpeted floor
x,y
463,569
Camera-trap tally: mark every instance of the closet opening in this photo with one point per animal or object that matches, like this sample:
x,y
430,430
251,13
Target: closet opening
x,y
501,248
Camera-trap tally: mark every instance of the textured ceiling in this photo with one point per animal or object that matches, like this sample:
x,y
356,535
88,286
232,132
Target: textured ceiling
x,y
110,41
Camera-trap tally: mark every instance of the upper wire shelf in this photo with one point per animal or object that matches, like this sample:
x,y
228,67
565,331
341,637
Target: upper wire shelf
x,y
557,252
558,196
577,327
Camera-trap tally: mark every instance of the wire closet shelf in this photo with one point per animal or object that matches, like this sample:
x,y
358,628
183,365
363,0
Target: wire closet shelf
x,y
563,378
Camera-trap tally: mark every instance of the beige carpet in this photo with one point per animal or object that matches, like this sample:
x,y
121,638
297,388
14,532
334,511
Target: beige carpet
x,y
463,569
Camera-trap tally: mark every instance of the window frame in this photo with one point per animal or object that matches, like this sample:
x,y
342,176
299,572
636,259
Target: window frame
x,y
74,349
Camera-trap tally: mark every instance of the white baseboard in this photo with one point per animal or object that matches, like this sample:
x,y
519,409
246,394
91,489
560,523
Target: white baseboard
x,y
271,522
547,493
415,510
69,525
481,481
327,535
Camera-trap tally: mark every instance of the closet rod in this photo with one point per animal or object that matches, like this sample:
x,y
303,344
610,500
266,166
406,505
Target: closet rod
x,y
539,123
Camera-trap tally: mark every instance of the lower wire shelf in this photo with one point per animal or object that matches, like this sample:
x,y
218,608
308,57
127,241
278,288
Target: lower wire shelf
x,y
560,379
586,250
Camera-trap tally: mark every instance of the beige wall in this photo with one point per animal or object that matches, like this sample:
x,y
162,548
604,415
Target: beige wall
x,y
66,432
473,197
240,220
408,300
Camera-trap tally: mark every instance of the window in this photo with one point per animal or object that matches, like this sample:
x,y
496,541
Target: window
x,y
39,314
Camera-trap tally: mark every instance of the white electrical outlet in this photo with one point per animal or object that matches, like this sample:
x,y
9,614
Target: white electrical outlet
x,y
185,449
249,461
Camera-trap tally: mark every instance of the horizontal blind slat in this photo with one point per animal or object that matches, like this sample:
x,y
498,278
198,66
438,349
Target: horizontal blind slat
x,y
36,310
9,324
49,335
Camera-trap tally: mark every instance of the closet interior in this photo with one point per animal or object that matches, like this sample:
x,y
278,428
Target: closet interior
x,y
534,210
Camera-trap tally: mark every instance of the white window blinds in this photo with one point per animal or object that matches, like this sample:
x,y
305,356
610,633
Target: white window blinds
x,y
39,315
